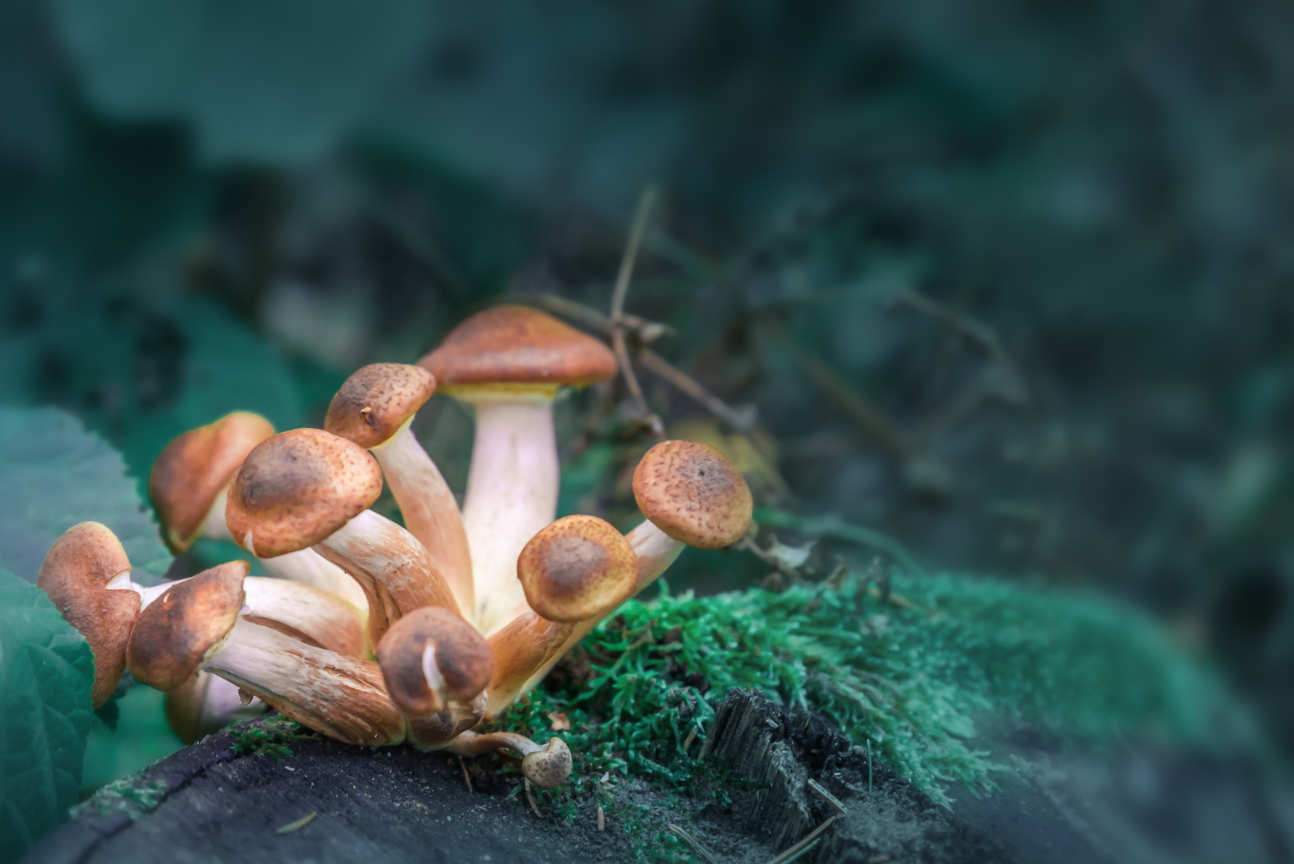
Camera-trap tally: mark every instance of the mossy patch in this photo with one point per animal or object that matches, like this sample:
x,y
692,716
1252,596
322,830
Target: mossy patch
x,y
912,671
272,737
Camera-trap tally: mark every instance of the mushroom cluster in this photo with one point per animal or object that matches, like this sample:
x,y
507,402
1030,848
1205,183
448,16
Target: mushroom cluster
x,y
377,633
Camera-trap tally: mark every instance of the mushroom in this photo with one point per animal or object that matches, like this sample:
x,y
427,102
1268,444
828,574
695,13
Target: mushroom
x,y
508,362
191,475
435,665
196,625
76,576
576,570
546,766
315,617
188,486
692,496
375,408
309,488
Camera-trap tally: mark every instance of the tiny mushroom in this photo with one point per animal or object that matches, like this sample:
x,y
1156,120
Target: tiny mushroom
x,y
196,625
76,575
508,363
547,765
375,408
309,488
578,569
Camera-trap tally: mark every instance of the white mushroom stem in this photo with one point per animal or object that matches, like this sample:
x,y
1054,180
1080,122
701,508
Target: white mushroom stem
x,y
213,527
655,550
206,703
313,616
341,697
429,509
512,487
310,568
390,565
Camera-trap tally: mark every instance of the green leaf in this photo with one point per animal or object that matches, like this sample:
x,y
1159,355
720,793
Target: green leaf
x,y
46,671
55,473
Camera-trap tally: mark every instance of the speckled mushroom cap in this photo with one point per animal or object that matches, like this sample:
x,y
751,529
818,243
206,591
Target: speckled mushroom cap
x,y
193,469
377,400
549,766
74,574
516,349
578,567
693,493
177,630
298,487
462,657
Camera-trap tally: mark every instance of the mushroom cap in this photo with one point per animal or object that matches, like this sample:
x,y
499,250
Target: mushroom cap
x,y
177,631
376,400
516,349
548,767
194,468
462,658
296,488
74,576
693,493
577,568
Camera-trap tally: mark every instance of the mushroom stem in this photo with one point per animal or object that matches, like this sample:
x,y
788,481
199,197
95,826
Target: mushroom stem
x,y
390,565
655,551
206,703
213,526
524,650
512,487
429,509
436,731
545,766
310,568
341,697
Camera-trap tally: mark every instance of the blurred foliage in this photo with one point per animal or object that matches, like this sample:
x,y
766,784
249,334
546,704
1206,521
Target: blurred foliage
x,y
46,671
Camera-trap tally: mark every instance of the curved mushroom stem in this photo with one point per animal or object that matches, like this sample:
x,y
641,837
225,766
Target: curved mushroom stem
x,y
512,487
213,526
429,509
338,696
545,766
391,566
524,649
313,616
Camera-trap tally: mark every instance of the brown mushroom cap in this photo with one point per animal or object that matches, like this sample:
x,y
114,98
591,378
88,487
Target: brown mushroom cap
x,y
693,493
73,575
462,657
298,487
377,400
177,630
549,766
193,469
517,349
576,568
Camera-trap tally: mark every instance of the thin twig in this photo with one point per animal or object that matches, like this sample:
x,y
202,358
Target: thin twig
x,y
826,796
741,419
530,796
645,202
642,329
693,842
467,778
793,852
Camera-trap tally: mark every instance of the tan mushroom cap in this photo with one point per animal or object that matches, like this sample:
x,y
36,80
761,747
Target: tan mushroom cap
x,y
462,658
193,469
549,766
517,349
693,493
177,630
578,567
298,487
377,400
73,575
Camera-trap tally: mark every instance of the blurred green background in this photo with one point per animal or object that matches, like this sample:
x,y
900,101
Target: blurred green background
x,y
1009,282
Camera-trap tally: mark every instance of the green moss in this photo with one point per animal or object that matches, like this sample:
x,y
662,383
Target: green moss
x,y
128,795
914,674
272,736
